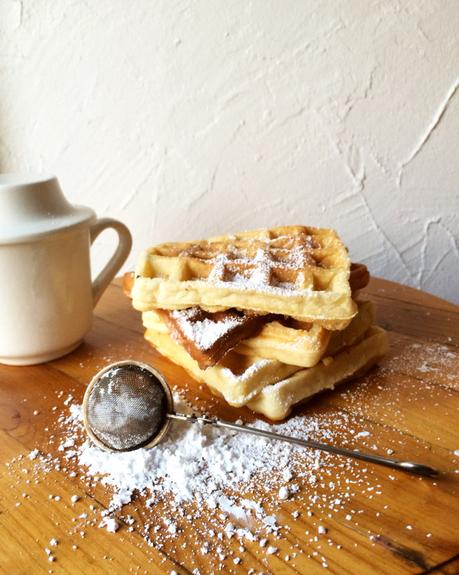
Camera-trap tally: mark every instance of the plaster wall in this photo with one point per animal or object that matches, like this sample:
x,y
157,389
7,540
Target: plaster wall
x,y
188,119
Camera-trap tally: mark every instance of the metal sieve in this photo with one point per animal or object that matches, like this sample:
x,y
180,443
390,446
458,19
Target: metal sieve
x,y
129,405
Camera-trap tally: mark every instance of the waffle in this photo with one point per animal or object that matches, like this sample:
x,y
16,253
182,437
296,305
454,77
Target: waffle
x,y
303,344
358,279
277,400
360,324
207,337
302,272
238,378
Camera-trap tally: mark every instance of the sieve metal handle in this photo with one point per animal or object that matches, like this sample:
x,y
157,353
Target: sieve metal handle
x,y
400,465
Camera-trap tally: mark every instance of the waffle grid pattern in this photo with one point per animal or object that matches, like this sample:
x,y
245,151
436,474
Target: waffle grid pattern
x,y
293,270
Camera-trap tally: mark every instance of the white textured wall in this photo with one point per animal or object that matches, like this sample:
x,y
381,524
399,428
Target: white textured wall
x,y
186,119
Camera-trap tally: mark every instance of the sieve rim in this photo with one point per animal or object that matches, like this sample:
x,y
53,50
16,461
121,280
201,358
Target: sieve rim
x,y
170,405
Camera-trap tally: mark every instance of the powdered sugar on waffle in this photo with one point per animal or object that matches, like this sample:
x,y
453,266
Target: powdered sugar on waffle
x,y
205,332
258,273
250,372
258,278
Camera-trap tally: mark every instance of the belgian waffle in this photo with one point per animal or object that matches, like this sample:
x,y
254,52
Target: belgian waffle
x,y
358,279
302,272
277,400
237,378
303,344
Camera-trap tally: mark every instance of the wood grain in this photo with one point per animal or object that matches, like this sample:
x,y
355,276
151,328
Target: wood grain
x,y
409,404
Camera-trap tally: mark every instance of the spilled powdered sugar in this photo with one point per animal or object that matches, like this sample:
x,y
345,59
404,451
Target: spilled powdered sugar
x,y
221,485
198,463
438,361
215,493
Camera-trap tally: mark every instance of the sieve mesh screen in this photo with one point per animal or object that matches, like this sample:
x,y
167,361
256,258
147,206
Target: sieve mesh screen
x,y
127,407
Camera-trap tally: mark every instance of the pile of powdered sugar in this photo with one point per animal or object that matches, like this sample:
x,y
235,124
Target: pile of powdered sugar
x,y
201,463
234,482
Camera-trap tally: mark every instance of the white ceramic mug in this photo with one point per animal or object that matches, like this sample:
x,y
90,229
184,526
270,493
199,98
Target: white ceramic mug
x,y
46,292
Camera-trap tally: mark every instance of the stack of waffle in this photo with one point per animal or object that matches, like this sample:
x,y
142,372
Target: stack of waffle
x,y
266,319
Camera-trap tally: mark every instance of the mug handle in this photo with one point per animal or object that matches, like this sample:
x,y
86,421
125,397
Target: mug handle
x,y
118,258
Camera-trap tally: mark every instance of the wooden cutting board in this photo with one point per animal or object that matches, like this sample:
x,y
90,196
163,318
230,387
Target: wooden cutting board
x,y
399,524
